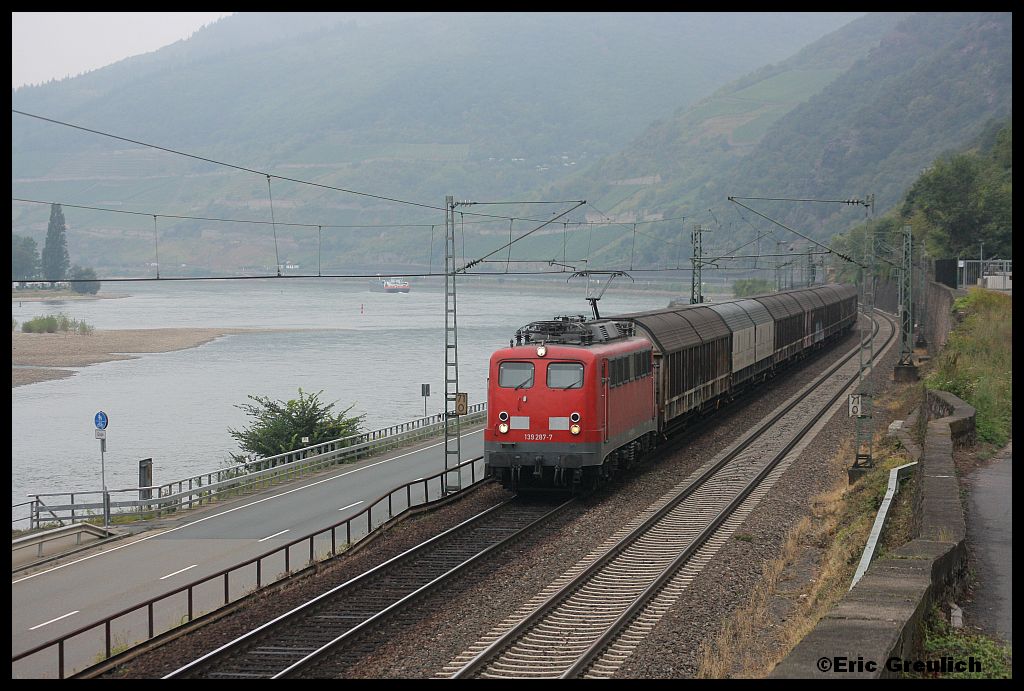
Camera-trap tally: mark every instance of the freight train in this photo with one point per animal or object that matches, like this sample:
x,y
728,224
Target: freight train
x,y
573,400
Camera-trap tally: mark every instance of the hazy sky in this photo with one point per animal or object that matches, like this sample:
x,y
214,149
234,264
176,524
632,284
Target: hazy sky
x,y
49,45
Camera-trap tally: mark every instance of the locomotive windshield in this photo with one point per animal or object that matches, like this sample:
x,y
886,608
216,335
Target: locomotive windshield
x,y
565,375
515,375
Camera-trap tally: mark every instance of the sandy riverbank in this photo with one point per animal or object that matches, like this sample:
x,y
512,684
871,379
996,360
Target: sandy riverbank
x,y
31,353
58,296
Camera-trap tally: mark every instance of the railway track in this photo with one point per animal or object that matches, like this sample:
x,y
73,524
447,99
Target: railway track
x,y
589,621
327,629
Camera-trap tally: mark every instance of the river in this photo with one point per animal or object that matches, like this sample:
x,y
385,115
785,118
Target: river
x,y
371,351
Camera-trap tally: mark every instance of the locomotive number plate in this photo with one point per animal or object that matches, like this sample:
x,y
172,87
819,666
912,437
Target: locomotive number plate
x,y
538,437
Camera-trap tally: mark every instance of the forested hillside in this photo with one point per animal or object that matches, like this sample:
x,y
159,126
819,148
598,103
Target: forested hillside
x,y
931,84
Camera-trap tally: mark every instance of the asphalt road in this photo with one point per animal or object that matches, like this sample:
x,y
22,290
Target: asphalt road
x,y
990,532
57,600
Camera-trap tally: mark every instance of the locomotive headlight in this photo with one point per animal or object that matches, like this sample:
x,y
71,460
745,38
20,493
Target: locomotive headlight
x,y
503,427
541,351
574,428
503,416
575,417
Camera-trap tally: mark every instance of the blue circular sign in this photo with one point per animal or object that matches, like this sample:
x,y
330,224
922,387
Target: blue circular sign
x,y
101,420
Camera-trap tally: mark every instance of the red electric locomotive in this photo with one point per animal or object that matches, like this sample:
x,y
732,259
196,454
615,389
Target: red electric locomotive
x,y
569,402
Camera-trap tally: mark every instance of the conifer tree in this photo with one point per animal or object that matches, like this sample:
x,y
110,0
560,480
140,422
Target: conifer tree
x,y
55,259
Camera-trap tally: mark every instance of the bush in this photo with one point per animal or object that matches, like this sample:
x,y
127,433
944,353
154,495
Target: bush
x,y
279,426
53,323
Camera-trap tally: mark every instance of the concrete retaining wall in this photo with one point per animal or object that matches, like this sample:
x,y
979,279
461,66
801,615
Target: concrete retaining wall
x,y
881,617
939,318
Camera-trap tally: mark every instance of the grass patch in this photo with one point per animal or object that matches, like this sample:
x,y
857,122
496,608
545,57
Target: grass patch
x,y
941,640
977,362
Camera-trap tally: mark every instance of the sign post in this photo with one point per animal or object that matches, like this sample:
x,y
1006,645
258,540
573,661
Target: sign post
x,y
425,392
145,479
101,421
855,405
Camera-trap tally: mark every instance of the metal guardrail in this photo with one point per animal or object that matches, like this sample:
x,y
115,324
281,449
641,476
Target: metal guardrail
x,y
156,500
433,490
75,530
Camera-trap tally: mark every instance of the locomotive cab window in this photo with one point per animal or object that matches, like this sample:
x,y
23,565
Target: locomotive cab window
x,y
565,375
515,375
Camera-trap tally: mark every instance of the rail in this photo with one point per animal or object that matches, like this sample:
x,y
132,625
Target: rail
x,y
433,490
157,500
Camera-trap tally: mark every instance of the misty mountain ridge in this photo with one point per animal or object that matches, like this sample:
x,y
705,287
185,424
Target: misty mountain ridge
x,y
415,108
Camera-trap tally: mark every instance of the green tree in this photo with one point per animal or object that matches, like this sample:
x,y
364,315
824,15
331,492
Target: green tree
x,y
55,260
24,258
966,199
86,283
279,426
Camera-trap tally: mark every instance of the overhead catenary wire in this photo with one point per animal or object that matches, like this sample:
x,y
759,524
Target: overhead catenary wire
x,y
221,163
186,217
156,247
633,224
508,260
227,220
796,232
314,184
273,222
484,274
758,234
851,202
524,235
247,169
277,256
